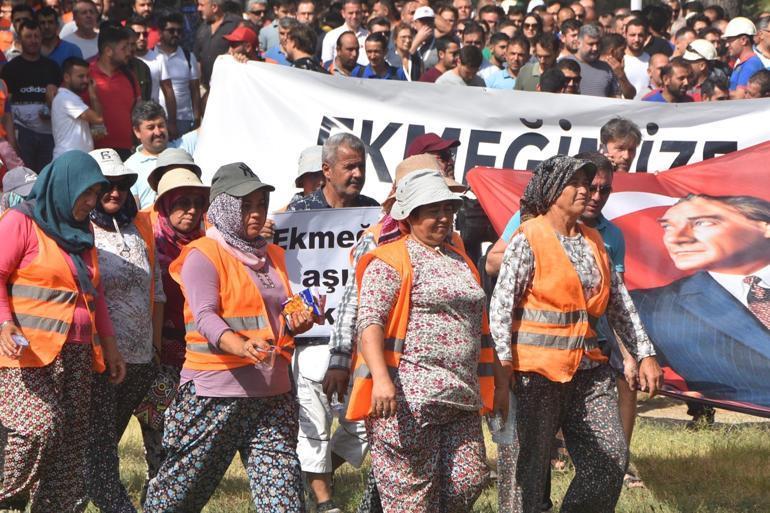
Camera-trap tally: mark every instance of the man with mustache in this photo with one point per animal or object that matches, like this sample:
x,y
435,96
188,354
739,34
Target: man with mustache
x,y
344,169
148,120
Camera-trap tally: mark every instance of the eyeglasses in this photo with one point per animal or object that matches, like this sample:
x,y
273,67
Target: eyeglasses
x,y
186,203
122,185
173,30
603,190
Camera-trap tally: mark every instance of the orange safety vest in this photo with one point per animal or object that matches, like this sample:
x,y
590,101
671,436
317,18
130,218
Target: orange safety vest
x,y
240,306
43,296
553,320
397,256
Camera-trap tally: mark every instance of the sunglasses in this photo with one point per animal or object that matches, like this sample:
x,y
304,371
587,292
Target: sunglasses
x,y
142,35
258,13
186,203
530,25
174,30
122,185
603,190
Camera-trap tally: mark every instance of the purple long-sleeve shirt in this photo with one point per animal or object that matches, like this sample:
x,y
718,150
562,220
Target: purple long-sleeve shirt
x,y
201,284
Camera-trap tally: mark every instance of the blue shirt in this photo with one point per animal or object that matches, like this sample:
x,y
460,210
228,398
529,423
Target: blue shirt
x,y
743,72
63,51
614,242
393,73
657,96
275,54
501,80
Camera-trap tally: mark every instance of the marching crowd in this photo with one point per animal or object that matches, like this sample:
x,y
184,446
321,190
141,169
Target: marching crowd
x,y
131,288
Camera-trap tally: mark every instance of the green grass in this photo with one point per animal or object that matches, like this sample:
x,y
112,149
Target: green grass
x,y
722,470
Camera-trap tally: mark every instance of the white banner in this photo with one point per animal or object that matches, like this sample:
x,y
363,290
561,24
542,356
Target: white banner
x,y
265,115
318,244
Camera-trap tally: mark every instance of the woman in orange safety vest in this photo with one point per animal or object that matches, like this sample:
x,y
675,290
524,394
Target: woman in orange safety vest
x,y
235,393
55,332
554,283
426,366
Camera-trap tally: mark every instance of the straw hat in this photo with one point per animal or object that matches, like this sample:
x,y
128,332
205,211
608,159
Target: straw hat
x,y
421,187
416,163
177,178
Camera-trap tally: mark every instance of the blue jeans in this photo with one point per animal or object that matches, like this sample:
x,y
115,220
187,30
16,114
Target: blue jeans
x,y
36,150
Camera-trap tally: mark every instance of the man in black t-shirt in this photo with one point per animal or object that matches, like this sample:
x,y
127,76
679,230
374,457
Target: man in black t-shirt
x,y
299,48
32,83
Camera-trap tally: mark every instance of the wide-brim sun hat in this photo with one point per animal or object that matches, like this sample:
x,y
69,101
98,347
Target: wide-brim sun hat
x,y
112,165
415,163
236,179
179,178
171,158
419,188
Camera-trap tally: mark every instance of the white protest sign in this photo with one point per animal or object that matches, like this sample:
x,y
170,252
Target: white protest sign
x,y
318,244
265,115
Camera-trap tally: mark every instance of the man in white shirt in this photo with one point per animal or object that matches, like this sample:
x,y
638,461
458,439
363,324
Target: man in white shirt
x,y
161,81
353,14
498,43
182,69
71,118
636,60
465,73
86,36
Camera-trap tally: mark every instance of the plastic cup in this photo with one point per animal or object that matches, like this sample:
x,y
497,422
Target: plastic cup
x,y
269,360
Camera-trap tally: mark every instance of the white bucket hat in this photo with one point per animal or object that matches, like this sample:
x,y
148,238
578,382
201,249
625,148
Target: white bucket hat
x,y
420,188
309,162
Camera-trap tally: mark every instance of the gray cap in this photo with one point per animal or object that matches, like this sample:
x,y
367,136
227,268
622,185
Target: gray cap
x,y
171,158
19,180
420,188
236,179
309,162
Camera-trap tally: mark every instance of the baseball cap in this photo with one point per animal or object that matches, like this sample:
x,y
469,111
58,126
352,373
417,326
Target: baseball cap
x,y
430,142
700,49
242,35
739,26
111,164
168,159
419,188
177,178
309,162
19,180
236,179
424,12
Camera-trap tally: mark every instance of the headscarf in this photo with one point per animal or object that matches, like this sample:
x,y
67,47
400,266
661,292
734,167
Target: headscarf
x,y
225,213
168,241
548,182
52,199
123,217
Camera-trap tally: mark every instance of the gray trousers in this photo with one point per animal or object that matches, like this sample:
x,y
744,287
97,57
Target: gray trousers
x,y
586,410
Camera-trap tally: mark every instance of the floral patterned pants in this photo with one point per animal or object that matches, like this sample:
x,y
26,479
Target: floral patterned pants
x,y
111,409
432,463
586,409
202,435
45,411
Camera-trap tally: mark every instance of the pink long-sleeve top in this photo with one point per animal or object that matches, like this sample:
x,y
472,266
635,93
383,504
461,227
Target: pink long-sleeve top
x,y
18,250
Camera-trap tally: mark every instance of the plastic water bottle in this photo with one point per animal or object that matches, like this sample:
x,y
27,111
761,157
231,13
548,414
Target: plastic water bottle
x,y
504,430
338,408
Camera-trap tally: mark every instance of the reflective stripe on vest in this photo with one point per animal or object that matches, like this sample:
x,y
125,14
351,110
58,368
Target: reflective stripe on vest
x,y
396,255
553,324
43,296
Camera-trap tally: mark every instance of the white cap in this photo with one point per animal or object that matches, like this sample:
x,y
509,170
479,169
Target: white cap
x,y
110,163
424,12
310,160
699,50
420,188
738,27
534,3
